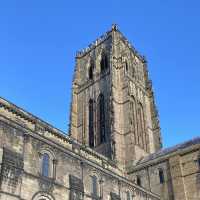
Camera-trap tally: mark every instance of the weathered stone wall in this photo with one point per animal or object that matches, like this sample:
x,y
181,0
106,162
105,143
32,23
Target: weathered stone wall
x,y
130,85
85,89
130,135
73,165
181,173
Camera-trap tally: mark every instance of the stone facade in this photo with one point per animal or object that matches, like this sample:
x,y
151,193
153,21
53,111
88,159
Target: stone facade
x,y
172,173
131,123
113,149
75,171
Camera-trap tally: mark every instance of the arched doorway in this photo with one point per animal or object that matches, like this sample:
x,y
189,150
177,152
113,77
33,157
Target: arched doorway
x,y
42,196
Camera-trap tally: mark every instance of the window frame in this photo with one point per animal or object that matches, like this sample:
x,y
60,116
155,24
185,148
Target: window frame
x,y
52,163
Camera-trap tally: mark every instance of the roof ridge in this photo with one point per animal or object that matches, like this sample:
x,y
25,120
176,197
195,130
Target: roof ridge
x,y
171,149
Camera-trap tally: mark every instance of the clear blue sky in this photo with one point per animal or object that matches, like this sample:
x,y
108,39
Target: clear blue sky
x,y
38,41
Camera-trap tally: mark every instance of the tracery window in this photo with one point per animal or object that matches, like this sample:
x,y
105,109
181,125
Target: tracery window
x,y
101,120
104,62
91,123
45,165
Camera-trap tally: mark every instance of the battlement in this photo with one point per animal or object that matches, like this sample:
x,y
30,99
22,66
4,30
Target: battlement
x,y
104,37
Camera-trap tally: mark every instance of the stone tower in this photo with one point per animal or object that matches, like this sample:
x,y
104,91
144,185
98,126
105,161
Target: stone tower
x,y
113,109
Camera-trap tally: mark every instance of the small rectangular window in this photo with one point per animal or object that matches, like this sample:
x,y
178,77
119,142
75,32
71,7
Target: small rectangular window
x,y
161,176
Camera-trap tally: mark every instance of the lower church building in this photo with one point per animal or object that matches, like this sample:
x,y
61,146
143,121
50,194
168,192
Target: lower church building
x,y
113,150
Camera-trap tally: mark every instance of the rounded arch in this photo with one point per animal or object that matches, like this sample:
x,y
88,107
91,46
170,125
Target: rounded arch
x,y
42,196
47,150
96,181
47,162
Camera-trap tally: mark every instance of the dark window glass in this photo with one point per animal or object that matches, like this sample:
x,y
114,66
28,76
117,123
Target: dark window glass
x,y
91,69
104,63
91,123
45,165
138,181
161,176
126,66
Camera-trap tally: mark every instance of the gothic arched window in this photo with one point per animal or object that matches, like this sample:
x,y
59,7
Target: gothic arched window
x,y
91,70
104,63
91,123
101,120
45,165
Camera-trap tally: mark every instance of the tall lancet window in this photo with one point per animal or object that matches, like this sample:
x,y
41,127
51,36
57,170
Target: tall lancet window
x,y
91,70
45,165
133,116
104,62
101,120
91,123
141,127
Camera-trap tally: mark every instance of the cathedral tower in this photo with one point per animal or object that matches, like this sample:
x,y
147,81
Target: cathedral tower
x,y
113,109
